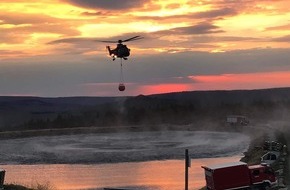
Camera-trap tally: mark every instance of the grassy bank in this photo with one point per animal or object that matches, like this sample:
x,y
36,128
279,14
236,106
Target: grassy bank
x,y
255,150
37,186
15,187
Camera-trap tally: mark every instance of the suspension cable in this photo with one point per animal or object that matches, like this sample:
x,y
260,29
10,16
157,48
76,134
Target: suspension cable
x,y
121,72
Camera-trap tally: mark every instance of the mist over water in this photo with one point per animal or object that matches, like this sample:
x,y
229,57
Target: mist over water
x,y
121,147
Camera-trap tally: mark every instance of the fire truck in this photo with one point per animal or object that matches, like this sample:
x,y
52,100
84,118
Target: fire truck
x,y
239,175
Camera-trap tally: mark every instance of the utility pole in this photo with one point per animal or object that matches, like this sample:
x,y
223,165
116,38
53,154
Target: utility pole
x,y
187,165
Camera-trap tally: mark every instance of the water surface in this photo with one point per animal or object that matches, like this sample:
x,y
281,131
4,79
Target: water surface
x,y
139,160
151,175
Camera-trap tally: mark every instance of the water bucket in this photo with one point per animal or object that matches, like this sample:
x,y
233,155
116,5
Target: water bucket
x,y
121,87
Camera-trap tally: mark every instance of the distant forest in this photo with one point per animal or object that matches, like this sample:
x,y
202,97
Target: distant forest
x,y
23,113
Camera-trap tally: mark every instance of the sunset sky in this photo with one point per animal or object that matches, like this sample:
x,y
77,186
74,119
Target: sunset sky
x,y
51,48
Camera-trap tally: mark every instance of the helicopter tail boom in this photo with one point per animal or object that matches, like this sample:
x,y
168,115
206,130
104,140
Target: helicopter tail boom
x,y
109,50
112,53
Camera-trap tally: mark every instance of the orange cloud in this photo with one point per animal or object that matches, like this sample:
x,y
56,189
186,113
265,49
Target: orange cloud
x,y
30,25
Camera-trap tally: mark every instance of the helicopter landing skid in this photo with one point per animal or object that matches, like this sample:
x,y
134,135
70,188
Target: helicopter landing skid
x,y
125,58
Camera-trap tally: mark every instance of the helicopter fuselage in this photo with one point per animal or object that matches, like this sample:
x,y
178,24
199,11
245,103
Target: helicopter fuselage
x,y
121,51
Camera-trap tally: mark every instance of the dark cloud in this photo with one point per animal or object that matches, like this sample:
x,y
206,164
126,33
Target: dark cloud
x,y
86,45
213,39
200,63
21,33
216,13
228,3
77,40
78,46
169,80
282,39
282,27
12,37
8,53
155,40
212,14
250,6
98,13
109,4
173,6
18,19
152,41
201,28
71,40
23,25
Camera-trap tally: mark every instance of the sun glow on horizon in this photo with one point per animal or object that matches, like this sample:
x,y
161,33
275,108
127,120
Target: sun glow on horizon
x,y
223,82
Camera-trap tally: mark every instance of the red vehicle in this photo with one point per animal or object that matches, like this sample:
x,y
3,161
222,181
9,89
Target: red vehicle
x,y
239,175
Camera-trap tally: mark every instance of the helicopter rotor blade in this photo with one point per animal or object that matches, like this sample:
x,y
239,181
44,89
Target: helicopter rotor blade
x,y
136,39
107,41
121,41
133,38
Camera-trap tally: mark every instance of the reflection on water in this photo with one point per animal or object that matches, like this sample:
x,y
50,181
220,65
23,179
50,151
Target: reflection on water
x,y
161,175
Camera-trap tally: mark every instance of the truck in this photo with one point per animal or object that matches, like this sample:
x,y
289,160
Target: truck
x,y
238,175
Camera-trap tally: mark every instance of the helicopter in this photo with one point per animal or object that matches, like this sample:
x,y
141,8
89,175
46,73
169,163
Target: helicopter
x,y
121,51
